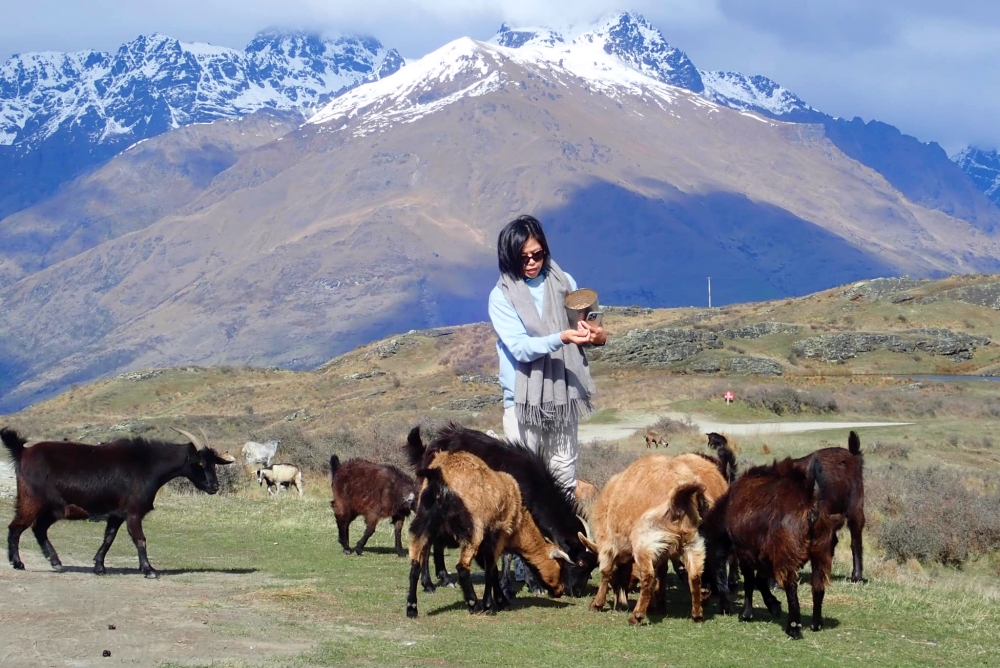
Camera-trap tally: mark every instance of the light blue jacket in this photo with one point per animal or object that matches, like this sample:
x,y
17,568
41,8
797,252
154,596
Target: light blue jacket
x,y
513,341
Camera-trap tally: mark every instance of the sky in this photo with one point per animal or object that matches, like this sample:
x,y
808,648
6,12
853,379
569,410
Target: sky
x,y
929,67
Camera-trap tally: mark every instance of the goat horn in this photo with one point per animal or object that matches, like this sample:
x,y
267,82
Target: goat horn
x,y
202,430
192,437
586,527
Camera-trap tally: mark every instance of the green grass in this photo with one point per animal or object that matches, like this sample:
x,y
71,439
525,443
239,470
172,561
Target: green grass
x,y
354,607
604,416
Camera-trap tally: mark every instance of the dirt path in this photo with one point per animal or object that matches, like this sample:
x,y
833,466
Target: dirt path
x,y
62,619
619,430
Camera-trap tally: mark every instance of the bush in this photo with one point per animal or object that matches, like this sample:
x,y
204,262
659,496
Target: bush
x,y
782,399
934,515
667,425
600,460
232,479
888,450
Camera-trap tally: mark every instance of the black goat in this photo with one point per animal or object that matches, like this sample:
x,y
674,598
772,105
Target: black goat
x,y
118,481
553,509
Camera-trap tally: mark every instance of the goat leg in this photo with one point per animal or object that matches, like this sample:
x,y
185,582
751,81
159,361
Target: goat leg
x,y
420,552
134,526
748,585
856,523
770,600
601,597
369,530
794,626
41,531
110,532
344,532
14,532
647,576
695,564
397,525
439,568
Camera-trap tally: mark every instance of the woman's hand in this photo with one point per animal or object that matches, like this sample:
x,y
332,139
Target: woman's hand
x,y
579,336
595,333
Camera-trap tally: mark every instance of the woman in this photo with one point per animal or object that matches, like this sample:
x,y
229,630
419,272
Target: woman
x,y
543,371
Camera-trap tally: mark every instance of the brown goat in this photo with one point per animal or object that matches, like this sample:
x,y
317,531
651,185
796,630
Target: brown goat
x,y
844,492
649,513
654,438
706,470
772,518
375,491
465,502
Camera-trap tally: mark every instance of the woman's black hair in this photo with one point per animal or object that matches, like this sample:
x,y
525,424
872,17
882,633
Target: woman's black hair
x,y
511,240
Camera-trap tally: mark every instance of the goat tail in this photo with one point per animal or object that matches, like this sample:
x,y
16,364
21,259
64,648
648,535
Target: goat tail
x,y
814,481
415,448
689,499
854,443
334,465
14,444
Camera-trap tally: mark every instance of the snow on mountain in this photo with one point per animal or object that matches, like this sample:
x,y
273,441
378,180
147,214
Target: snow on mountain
x,y
756,93
607,55
983,167
155,82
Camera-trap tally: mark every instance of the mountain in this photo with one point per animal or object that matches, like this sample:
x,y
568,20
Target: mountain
x,y
921,171
64,113
149,180
379,215
983,167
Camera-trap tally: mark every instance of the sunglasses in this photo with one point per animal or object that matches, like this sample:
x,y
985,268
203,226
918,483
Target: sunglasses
x,y
537,256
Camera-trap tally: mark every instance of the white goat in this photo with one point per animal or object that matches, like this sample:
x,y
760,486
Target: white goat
x,y
280,475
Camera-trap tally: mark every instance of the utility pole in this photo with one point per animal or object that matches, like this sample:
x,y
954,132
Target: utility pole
x,y
709,292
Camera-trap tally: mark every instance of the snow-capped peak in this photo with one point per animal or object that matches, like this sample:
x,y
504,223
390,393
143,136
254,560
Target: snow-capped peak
x,y
756,93
155,82
983,167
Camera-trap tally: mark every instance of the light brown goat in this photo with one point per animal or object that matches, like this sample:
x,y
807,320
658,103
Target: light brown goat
x,y
465,502
654,438
647,514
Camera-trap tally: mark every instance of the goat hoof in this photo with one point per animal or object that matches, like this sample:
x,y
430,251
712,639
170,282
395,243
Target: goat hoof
x,y
430,589
402,554
411,610
636,620
698,620
348,551
794,630
857,578
152,574
817,627
18,565
746,616
99,570
58,567
596,608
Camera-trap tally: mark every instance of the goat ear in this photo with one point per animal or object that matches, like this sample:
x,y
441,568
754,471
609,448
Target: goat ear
x,y
589,544
223,459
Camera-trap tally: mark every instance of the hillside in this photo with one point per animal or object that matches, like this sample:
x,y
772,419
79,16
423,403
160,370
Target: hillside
x,y
380,390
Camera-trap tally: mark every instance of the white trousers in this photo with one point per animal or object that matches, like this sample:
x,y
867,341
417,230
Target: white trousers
x,y
559,448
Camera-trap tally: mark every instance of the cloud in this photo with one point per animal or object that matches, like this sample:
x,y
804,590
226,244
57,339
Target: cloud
x,y
925,66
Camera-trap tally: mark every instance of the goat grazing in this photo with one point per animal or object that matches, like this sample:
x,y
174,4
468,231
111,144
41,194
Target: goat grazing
x,y
280,475
554,509
844,492
649,513
773,519
375,491
466,503
654,438
118,481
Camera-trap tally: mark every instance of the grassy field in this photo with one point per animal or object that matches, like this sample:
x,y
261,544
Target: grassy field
x,y
351,609
273,587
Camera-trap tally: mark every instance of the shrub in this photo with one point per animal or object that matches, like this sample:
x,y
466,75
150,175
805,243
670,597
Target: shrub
x,y
888,450
934,515
782,399
600,460
667,425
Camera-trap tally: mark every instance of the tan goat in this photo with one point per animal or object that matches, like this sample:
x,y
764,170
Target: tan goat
x,y
466,502
645,515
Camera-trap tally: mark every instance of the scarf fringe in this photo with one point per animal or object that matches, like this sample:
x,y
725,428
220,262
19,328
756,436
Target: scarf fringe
x,y
552,414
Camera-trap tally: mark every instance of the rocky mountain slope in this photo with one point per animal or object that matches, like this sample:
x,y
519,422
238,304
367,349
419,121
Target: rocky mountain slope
x,y
983,167
64,113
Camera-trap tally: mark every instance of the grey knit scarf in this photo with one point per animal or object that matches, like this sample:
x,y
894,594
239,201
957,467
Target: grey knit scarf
x,y
554,390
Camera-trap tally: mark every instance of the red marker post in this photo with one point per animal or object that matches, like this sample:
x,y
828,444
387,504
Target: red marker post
x,y
729,396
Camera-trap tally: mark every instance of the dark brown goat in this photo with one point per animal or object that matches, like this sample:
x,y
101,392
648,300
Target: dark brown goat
x,y
118,481
374,491
772,518
844,492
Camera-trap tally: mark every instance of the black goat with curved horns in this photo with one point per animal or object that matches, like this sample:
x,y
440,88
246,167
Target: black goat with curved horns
x,y
552,507
118,481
